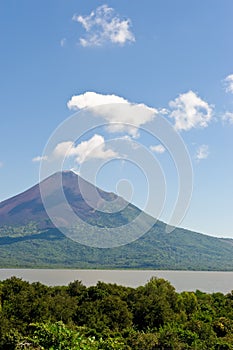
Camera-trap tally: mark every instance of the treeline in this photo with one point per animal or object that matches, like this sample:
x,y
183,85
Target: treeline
x,y
112,317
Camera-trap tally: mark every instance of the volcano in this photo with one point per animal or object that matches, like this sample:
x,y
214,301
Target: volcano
x,y
28,238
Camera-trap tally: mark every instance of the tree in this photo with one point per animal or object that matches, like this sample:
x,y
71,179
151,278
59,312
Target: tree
x,y
154,304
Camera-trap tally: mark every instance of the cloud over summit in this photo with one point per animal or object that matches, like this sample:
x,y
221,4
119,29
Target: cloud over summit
x,y
95,148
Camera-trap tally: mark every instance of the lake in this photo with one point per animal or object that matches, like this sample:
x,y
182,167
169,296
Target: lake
x,y
205,281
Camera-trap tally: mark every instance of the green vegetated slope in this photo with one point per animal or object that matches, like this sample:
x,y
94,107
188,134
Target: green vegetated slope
x,y
29,239
112,317
29,247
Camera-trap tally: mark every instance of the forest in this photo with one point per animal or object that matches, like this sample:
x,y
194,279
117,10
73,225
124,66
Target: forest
x,y
112,317
28,246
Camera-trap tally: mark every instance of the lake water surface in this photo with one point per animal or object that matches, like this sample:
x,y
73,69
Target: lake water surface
x,y
182,280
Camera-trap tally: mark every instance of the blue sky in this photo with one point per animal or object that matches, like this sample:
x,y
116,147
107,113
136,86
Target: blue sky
x,y
172,56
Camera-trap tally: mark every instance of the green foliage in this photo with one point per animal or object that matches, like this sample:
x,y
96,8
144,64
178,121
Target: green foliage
x,y
30,246
154,304
56,336
140,340
111,317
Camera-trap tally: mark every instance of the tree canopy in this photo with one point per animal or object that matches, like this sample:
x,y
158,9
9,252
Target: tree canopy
x,y
109,316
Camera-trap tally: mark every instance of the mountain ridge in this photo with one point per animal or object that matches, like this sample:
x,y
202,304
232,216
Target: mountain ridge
x,y
29,239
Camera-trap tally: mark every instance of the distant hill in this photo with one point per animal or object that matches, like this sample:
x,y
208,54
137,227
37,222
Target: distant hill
x,y
29,239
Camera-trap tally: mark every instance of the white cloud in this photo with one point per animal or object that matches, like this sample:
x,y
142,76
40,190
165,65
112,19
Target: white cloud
x,y
228,81
63,42
116,110
158,149
93,99
1,164
64,149
228,117
202,152
95,148
190,111
39,158
104,25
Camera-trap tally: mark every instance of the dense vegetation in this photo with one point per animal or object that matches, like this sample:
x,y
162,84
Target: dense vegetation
x,y
108,317
28,246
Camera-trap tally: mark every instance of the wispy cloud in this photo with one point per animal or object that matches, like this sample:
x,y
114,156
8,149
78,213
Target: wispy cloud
x,y
116,110
202,152
190,111
103,26
158,149
95,148
1,164
63,42
39,159
228,117
228,82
